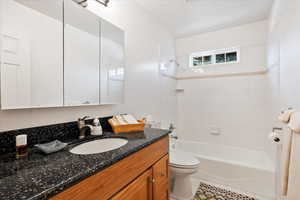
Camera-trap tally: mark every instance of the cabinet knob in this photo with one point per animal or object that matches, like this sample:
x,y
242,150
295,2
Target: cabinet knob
x,y
152,180
162,174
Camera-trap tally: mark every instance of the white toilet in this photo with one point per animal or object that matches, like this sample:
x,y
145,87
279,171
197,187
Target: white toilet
x,y
182,166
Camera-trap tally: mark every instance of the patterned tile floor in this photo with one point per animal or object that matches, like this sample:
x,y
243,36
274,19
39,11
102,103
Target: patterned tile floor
x,y
209,192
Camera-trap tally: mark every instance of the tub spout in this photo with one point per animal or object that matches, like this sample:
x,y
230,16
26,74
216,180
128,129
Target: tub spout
x,y
174,137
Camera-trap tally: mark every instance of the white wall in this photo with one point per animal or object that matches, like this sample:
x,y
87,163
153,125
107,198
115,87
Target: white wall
x,y
144,86
284,51
284,31
241,108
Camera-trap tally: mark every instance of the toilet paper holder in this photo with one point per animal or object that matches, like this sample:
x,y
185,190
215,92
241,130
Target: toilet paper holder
x,y
275,129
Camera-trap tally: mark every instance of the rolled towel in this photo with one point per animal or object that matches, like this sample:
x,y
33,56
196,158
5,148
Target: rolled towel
x,y
294,123
285,116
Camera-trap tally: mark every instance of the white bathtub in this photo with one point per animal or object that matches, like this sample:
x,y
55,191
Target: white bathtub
x,y
243,170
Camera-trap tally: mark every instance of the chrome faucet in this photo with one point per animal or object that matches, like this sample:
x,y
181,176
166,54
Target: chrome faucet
x,y
83,127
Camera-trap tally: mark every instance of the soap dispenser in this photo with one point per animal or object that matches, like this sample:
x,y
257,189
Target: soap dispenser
x,y
97,129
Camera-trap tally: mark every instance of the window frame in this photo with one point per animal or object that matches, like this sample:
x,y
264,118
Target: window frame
x,y
213,54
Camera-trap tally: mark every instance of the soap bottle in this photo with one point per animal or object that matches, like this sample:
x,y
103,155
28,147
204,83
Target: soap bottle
x,y
21,146
97,129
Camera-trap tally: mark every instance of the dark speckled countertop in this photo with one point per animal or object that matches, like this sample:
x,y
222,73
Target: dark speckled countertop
x,y
42,176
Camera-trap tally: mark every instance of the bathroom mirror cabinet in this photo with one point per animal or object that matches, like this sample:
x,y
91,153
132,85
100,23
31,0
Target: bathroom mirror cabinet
x,y
112,64
31,53
55,53
82,56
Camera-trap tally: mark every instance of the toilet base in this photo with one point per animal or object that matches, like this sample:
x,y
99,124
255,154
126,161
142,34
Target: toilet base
x,y
179,198
182,166
182,188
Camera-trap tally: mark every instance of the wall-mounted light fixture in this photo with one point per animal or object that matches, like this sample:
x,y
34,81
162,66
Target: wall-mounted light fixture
x,y
84,3
103,2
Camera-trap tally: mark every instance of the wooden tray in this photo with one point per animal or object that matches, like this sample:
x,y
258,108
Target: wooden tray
x,y
119,128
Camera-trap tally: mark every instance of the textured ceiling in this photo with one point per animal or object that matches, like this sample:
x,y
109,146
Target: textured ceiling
x,y
188,17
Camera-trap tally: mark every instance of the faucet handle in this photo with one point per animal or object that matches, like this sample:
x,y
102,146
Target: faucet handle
x,y
81,122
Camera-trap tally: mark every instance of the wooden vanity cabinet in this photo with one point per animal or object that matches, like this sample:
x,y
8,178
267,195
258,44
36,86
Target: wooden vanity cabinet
x,y
141,188
152,185
143,175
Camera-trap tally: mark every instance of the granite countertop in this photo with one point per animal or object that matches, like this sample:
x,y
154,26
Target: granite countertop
x,y
40,176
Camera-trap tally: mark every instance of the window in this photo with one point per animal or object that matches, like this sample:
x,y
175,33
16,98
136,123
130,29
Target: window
x,y
197,61
202,60
224,56
231,57
207,60
220,58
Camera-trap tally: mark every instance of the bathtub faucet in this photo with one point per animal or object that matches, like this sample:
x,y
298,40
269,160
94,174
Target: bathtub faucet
x,y
174,137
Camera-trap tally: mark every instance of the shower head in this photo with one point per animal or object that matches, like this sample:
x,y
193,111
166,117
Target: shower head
x,y
175,62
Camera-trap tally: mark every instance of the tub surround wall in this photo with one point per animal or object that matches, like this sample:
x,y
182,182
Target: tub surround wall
x,y
235,111
146,91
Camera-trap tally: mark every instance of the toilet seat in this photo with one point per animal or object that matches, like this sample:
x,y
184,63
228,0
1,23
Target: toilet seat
x,y
184,160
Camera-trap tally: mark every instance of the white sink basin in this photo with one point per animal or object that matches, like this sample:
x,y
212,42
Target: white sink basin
x,y
99,146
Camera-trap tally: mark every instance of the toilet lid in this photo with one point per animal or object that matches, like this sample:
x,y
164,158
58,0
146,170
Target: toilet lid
x,y
183,159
